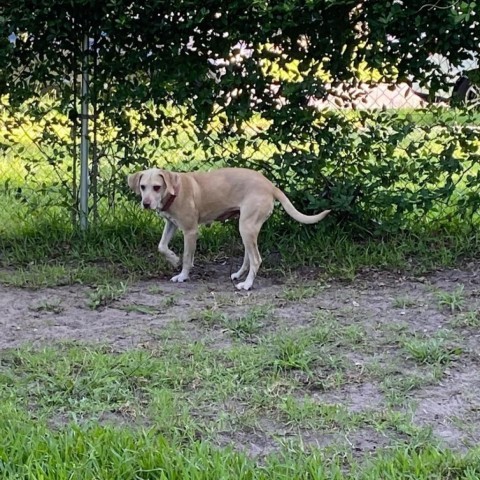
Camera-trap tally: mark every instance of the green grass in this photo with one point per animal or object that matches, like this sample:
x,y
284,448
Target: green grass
x,y
106,294
251,323
467,319
54,306
101,453
432,350
47,251
254,393
403,302
454,301
295,293
73,411
192,407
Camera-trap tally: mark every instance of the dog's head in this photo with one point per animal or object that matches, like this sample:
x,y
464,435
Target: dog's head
x,y
154,185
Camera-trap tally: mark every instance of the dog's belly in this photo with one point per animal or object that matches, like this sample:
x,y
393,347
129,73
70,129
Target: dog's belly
x,y
231,213
220,216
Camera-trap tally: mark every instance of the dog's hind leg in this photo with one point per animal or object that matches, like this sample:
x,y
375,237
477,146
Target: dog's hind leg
x,y
252,217
249,235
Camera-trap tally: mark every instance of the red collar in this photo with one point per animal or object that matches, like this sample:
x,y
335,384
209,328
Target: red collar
x,y
169,200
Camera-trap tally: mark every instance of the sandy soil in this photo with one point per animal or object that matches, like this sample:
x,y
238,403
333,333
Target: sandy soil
x,y
451,407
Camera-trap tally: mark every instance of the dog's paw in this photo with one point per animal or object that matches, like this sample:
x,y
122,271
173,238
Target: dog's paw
x,y
170,257
173,260
235,276
179,278
244,285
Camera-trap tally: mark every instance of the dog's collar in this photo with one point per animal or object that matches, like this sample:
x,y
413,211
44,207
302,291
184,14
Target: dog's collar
x,y
169,200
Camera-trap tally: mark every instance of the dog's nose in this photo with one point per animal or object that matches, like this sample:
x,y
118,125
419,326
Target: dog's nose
x,y
146,204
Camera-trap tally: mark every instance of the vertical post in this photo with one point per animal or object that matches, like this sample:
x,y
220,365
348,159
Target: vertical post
x,y
84,140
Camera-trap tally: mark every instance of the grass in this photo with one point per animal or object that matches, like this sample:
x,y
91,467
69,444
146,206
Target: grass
x,y
106,294
274,401
95,452
54,306
57,273
467,319
293,354
193,409
403,302
88,412
431,350
49,252
254,393
300,292
454,301
250,323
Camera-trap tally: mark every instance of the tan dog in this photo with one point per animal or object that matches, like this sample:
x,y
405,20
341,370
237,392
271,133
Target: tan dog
x,y
187,200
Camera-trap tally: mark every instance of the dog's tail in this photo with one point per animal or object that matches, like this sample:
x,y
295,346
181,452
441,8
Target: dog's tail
x,y
294,213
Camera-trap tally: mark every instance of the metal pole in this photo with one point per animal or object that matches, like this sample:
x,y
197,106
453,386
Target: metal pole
x,y
84,141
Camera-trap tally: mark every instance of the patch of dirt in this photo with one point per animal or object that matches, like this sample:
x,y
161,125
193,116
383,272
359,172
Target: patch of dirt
x,y
356,397
452,409
378,302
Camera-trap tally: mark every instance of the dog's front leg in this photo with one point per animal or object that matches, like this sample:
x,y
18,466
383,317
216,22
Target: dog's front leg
x,y
243,268
168,233
190,243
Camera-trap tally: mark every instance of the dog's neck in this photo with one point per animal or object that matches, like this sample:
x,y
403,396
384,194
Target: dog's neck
x,y
169,199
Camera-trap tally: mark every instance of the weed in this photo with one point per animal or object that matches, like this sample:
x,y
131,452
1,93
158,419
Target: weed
x,y
294,294
249,324
454,301
213,316
140,308
353,334
49,306
293,353
170,301
310,414
431,350
468,319
155,290
397,387
106,294
403,302
323,331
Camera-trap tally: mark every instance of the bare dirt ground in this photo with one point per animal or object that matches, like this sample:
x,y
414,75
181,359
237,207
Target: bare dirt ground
x,y
383,305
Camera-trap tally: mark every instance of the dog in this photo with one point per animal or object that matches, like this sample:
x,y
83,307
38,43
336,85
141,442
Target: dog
x,y
186,200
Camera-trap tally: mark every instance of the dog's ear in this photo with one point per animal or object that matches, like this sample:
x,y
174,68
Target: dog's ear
x,y
170,180
134,182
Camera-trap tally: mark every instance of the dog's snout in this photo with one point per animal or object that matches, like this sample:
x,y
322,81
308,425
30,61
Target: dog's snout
x,y
146,204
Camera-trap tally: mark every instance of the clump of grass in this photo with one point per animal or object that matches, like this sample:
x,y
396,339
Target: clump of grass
x,y
106,294
311,414
213,316
431,350
170,301
54,306
453,301
397,387
140,308
467,319
293,353
302,292
403,302
249,324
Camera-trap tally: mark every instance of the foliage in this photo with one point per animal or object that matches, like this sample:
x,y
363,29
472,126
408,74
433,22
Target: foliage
x,y
238,83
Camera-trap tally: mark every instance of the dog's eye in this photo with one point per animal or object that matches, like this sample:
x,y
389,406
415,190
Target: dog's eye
x,y
156,188
142,187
